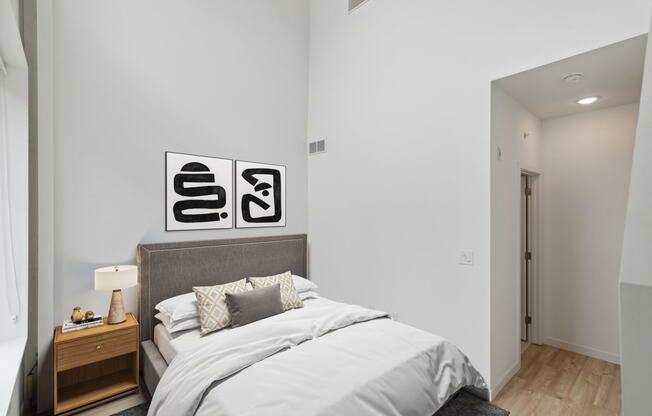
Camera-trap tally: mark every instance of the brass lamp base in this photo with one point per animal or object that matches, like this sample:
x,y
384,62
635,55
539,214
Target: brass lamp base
x,y
117,309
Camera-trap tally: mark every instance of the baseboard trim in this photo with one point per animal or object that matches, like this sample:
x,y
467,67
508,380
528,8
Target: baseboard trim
x,y
584,350
494,391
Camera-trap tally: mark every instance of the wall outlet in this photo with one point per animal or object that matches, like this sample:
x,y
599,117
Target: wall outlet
x,y
466,257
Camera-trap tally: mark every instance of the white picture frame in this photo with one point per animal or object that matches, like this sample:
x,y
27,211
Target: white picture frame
x,y
260,195
198,192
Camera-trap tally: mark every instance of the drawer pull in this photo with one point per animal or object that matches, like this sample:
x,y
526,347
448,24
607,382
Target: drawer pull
x,y
98,347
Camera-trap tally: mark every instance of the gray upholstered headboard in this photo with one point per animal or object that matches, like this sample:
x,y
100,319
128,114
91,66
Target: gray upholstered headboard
x,y
170,269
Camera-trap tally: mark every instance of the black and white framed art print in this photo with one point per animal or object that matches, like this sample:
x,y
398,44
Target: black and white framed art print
x,y
260,195
199,192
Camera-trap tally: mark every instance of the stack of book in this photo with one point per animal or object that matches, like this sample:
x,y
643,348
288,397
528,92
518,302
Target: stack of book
x,y
86,323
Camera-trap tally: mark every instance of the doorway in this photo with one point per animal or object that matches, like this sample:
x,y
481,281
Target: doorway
x,y
555,251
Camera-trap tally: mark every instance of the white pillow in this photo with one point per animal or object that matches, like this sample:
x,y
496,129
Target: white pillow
x,y
185,306
176,326
179,307
303,285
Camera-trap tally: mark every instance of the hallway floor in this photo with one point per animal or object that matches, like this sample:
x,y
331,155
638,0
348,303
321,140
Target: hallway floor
x,y
555,382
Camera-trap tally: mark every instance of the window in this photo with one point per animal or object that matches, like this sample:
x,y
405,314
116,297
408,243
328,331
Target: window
x,y
7,263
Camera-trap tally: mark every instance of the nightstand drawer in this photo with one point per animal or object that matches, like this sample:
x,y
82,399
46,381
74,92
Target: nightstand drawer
x,y
96,348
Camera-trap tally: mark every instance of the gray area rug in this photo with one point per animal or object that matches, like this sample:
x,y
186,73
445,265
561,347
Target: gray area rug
x,y
140,410
463,404
466,404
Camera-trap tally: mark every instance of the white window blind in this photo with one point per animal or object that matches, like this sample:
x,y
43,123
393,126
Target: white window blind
x,y
7,262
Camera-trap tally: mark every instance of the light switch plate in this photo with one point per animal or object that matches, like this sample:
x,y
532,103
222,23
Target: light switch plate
x,y
466,257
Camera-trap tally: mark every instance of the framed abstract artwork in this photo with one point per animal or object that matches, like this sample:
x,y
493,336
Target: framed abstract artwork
x,y
198,192
260,195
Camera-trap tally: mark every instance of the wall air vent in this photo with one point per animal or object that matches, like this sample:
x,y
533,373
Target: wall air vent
x,y
354,4
316,147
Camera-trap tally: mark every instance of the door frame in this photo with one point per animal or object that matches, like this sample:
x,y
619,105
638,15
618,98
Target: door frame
x,y
536,289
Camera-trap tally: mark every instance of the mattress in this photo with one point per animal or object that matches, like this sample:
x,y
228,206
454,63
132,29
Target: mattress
x,y
169,345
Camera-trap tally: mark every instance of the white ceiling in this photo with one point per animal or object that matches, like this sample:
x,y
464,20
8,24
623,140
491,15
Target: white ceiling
x,y
614,72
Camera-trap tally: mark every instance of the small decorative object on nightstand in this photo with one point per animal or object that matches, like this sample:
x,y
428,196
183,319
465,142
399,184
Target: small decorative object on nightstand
x,y
94,364
77,315
116,278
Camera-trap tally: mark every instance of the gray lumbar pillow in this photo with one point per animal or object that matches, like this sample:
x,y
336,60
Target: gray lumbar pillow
x,y
252,305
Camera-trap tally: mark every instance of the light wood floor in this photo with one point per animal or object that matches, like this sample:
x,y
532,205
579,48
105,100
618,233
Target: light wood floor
x,y
554,382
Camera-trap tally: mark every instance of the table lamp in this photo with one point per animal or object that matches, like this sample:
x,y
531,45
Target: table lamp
x,y
116,278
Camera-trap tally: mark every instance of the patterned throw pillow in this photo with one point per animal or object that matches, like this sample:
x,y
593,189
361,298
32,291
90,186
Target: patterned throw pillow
x,y
289,295
211,302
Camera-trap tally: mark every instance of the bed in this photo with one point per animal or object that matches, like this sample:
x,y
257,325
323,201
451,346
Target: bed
x,y
327,358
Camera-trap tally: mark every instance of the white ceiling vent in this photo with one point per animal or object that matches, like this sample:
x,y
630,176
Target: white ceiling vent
x,y
354,4
317,147
573,78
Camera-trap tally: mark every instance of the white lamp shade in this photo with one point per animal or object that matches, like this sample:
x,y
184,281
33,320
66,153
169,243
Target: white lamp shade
x,y
116,277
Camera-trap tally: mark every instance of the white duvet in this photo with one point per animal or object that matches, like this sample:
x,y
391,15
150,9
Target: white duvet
x,y
327,358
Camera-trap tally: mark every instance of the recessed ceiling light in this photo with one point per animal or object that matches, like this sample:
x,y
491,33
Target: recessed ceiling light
x,y
588,100
573,78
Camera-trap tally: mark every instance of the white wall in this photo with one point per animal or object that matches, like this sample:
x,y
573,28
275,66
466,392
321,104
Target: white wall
x,y
133,80
635,276
637,245
402,92
510,121
586,163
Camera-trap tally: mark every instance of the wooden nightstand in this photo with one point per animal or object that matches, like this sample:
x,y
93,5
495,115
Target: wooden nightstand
x,y
93,364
